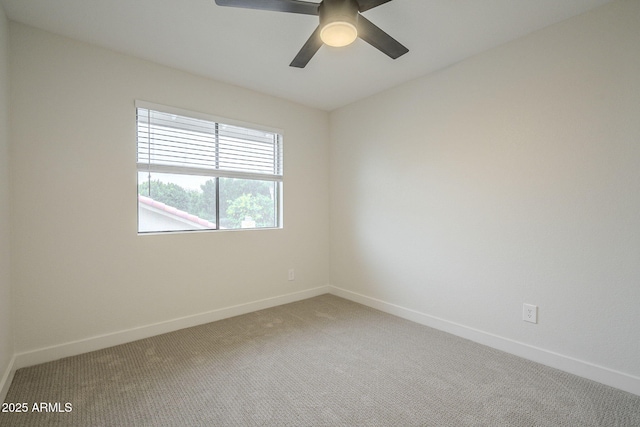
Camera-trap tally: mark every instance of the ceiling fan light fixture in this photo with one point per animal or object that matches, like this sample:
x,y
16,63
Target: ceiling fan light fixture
x,y
341,23
338,33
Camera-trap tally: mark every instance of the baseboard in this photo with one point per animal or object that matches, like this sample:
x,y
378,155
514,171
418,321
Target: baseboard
x,y
6,379
73,348
568,364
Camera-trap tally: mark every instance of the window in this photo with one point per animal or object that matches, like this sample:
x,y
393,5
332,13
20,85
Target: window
x,y
198,173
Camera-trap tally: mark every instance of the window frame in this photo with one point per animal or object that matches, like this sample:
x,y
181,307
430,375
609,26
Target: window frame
x,y
148,166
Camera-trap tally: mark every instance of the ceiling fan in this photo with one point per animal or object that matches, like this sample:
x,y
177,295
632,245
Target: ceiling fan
x,y
340,24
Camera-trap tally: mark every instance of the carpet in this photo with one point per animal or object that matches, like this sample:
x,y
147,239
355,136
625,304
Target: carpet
x,y
324,361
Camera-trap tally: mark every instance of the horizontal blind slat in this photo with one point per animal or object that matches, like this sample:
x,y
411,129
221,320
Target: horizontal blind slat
x,y
176,141
185,170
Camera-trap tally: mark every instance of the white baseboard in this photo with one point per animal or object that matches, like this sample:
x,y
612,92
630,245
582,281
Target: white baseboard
x,y
48,354
7,377
568,364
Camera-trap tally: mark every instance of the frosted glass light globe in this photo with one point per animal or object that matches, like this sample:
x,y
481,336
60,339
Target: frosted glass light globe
x,y
338,33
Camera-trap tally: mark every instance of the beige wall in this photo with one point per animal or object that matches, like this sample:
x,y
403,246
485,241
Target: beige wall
x,y
6,336
512,177
80,268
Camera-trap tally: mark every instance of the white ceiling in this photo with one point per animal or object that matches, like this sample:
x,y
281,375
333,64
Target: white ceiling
x,y
253,48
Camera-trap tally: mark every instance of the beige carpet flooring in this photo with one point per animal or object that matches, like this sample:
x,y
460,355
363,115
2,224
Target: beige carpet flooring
x,y
324,361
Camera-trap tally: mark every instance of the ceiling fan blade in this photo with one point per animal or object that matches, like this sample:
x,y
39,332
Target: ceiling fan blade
x,y
291,6
377,38
370,4
308,50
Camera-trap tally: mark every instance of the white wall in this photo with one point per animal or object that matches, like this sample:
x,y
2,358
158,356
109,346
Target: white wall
x,y
6,337
512,177
80,269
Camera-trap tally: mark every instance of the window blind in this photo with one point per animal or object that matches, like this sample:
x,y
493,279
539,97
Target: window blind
x,y
176,143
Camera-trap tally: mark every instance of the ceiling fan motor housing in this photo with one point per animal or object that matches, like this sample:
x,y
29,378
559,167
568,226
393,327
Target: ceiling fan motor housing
x,y
338,10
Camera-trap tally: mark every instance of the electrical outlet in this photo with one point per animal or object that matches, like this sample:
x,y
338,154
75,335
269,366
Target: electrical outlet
x,y
292,274
530,313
